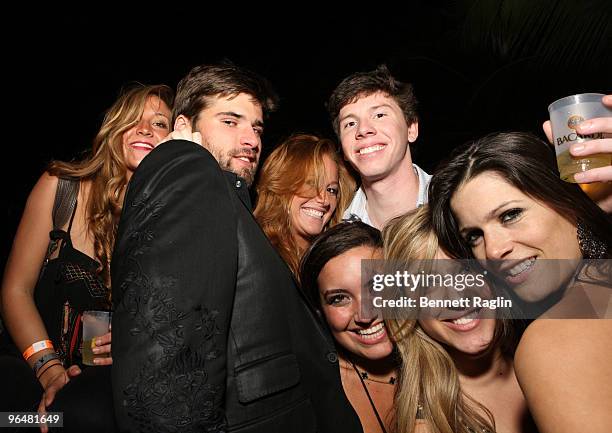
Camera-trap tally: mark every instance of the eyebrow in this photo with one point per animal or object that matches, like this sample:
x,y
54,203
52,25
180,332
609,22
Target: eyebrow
x,y
333,291
237,116
491,214
157,113
231,114
374,108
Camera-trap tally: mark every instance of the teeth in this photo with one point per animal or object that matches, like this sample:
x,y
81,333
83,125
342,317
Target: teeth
x,y
373,332
312,212
371,149
244,158
142,146
521,267
466,319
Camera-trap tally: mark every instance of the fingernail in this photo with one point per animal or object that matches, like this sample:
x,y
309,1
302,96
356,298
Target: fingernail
x,y
577,148
579,177
96,361
98,342
95,349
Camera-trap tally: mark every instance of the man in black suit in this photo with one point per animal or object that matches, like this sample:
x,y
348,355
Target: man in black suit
x,y
210,332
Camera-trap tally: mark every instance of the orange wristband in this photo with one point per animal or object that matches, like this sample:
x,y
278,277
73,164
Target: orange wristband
x,y
37,347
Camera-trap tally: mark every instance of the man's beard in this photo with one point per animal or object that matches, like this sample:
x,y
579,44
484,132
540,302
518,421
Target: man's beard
x,y
225,162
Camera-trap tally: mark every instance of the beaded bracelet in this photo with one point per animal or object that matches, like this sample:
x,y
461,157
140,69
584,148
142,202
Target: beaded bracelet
x,y
43,360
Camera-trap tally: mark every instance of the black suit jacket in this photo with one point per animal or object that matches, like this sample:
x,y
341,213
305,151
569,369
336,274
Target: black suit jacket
x,y
210,332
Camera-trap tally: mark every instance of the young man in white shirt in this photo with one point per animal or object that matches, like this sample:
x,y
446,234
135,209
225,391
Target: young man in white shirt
x,y
375,118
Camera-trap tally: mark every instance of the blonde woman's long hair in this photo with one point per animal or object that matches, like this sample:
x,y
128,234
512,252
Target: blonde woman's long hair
x,y
296,167
106,169
428,376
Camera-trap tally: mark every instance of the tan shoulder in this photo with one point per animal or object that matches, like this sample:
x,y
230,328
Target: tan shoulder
x,y
547,340
47,177
567,360
552,333
43,194
46,183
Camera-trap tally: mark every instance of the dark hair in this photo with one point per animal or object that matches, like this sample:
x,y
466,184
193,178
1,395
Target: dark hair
x,y
362,84
220,80
527,163
332,243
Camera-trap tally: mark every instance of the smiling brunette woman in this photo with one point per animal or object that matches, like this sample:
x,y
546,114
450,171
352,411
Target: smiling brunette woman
x,y
331,278
500,199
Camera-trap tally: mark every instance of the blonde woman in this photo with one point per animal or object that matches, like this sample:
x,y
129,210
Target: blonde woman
x,y
457,374
43,316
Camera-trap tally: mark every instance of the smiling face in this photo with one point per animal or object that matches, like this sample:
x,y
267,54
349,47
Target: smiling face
x,y
340,294
375,136
140,139
469,335
231,129
463,331
310,215
515,233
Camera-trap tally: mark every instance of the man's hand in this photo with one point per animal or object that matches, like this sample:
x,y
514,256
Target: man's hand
x,y
182,131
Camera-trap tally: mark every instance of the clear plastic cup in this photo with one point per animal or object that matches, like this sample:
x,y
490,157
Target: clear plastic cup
x,y
95,324
565,114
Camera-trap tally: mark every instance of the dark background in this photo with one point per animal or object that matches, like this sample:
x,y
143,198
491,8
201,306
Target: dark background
x,y
477,67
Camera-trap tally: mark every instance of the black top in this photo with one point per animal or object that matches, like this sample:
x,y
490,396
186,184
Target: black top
x,y
68,286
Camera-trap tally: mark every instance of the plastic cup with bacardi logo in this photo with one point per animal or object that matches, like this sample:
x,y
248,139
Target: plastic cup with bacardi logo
x,y
565,114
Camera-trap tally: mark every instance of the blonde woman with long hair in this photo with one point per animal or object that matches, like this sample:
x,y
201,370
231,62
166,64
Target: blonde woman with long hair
x,y
303,189
43,315
457,374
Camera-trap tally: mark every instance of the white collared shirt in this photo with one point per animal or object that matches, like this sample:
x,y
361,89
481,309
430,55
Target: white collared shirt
x,y
358,204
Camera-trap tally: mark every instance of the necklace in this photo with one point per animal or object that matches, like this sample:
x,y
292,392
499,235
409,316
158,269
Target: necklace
x,y
362,376
366,376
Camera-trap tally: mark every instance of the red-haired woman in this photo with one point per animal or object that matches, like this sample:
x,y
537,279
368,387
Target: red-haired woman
x,y
303,189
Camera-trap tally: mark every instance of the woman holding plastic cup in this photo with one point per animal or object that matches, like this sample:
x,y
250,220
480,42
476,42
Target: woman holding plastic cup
x,y
500,200
42,311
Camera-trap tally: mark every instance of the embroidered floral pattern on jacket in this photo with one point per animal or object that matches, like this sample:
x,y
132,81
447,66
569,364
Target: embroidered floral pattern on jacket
x,y
173,393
